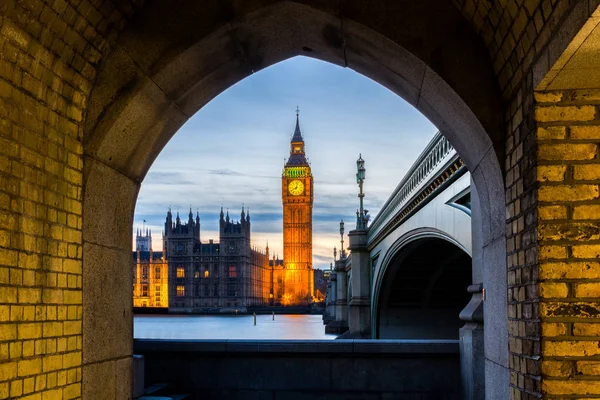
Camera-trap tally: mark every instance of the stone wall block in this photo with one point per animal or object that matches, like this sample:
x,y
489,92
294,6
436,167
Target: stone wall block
x,y
107,303
108,206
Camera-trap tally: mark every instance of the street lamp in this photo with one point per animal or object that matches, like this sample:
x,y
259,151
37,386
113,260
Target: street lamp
x,y
361,215
342,251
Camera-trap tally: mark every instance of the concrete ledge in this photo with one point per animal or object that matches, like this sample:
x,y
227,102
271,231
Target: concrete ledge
x,y
320,347
305,369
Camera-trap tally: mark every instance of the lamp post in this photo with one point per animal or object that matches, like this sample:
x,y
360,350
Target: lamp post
x,y
361,214
342,251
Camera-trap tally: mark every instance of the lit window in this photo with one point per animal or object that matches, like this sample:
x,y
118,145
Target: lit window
x,y
180,272
180,291
196,275
206,273
144,290
232,272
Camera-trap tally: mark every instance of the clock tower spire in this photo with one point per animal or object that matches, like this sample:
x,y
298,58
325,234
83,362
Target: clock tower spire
x,y
297,199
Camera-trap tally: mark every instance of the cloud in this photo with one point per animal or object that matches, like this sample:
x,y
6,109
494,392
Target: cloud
x,y
231,153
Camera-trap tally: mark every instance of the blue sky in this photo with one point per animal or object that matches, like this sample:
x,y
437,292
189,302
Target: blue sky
x,y
231,153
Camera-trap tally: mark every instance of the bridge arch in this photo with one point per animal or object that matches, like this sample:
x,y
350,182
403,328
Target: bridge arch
x,y
169,62
452,261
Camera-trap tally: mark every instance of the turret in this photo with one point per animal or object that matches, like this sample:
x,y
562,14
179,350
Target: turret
x,y
168,222
150,243
243,216
198,224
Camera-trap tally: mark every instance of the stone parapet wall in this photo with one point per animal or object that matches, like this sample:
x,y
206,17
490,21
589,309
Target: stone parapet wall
x,y
336,369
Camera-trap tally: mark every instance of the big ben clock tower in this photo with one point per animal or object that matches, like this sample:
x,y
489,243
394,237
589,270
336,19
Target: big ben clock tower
x,y
297,198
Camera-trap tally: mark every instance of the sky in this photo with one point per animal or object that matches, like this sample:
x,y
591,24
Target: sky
x,y
231,153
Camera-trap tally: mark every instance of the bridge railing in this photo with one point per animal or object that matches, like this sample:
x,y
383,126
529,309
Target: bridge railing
x,y
438,153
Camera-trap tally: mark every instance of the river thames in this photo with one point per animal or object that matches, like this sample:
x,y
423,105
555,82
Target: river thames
x,y
229,327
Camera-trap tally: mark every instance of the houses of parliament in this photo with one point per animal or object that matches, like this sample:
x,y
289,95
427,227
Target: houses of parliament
x,y
190,275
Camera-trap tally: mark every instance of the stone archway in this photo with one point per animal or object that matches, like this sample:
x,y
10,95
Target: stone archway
x,y
155,78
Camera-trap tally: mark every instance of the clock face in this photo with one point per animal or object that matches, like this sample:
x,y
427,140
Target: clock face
x,y
296,187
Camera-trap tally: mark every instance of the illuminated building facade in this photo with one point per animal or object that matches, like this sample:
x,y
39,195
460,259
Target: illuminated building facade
x,y
208,277
297,198
150,274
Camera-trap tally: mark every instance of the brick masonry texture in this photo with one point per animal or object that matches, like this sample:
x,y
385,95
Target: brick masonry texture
x,y
515,32
49,55
522,248
568,176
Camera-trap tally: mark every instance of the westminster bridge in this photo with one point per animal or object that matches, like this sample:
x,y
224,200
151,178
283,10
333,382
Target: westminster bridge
x,y
416,273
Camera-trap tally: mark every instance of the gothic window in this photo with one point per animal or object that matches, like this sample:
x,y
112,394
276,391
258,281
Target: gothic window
x,y
157,273
231,290
157,296
144,290
206,273
197,275
180,291
145,272
232,273
180,272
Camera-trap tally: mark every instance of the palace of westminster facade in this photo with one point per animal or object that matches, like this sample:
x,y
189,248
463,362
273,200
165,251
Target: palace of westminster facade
x,y
193,276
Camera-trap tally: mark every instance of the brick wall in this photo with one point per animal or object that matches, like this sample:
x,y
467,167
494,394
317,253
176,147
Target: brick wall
x,y
568,174
521,242
48,56
515,32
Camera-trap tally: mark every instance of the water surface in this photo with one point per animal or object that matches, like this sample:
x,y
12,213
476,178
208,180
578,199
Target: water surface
x,y
229,327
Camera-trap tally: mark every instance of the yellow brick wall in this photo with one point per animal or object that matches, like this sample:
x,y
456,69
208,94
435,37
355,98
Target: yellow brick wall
x,y
521,241
515,33
568,234
49,52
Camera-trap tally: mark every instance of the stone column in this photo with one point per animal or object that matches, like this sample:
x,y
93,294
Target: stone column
x,y
360,303
472,357
340,325
329,314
